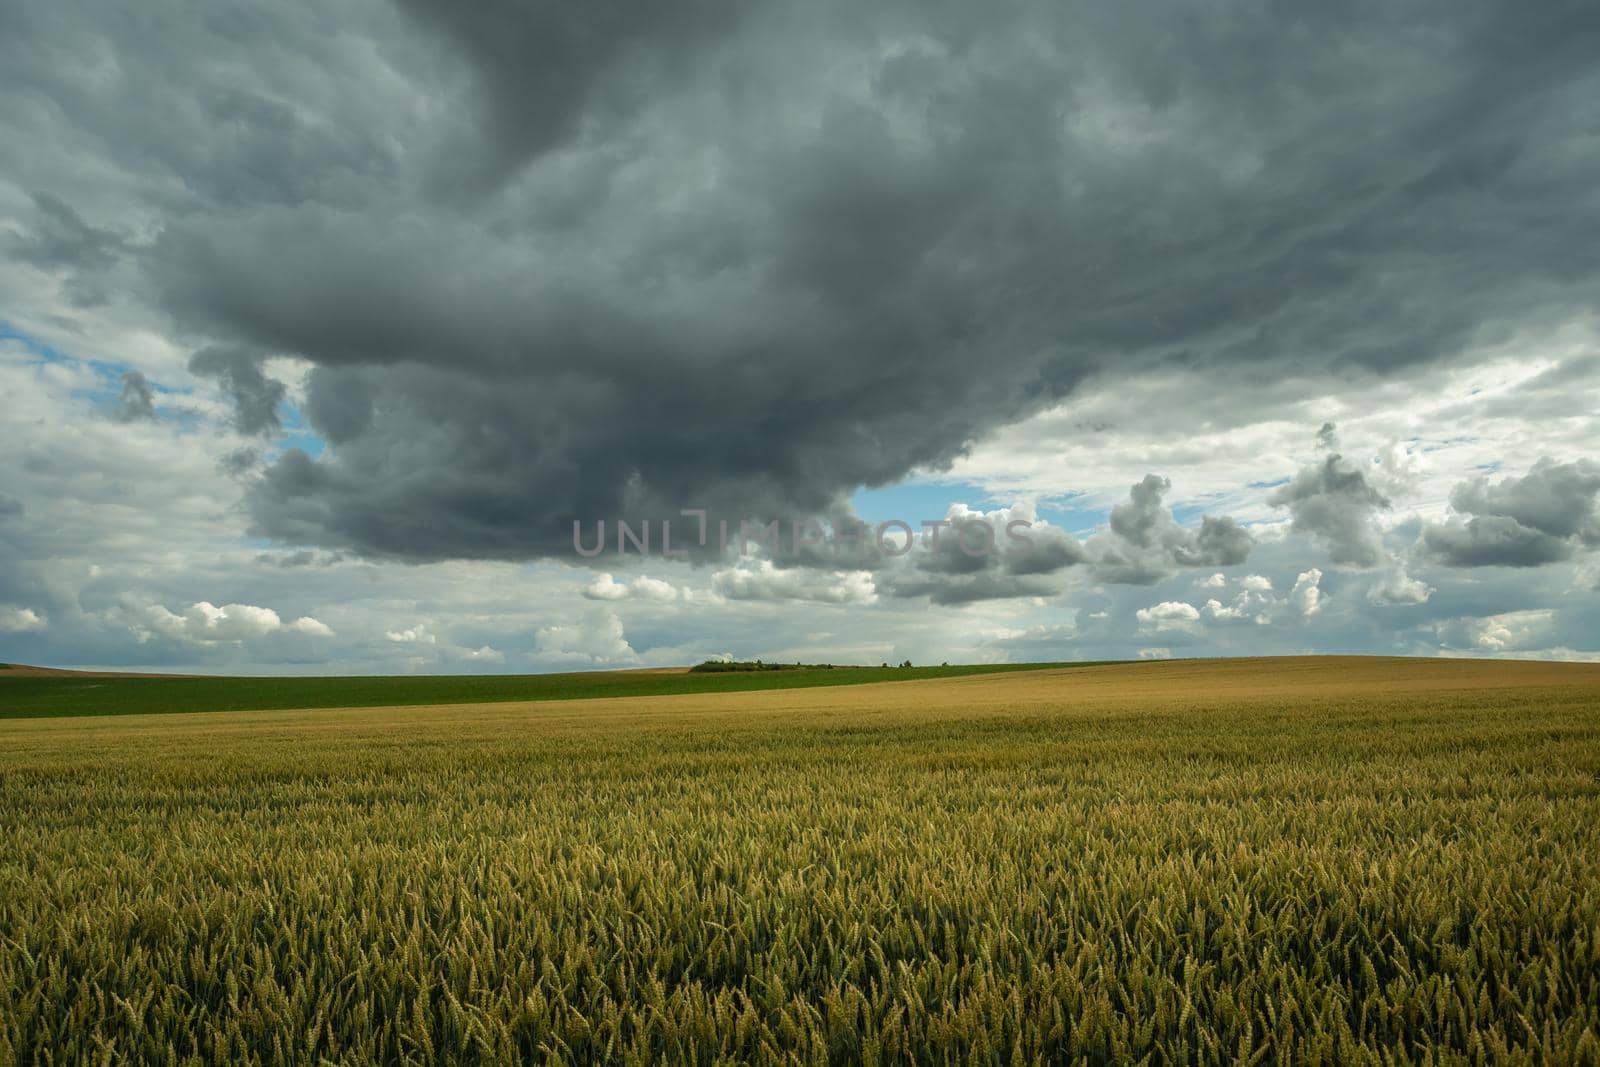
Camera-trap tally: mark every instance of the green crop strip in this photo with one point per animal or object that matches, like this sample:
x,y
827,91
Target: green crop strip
x,y
23,696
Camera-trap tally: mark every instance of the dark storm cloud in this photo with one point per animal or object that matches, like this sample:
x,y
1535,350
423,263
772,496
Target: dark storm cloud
x,y
1044,550
1334,501
1146,544
1221,542
948,590
548,69
255,396
555,263
59,237
240,462
1564,391
137,400
305,557
10,507
967,556
973,542
1001,554
1545,516
982,556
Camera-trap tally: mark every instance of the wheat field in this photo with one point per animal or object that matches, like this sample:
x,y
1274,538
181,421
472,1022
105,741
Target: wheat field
x,y
1277,861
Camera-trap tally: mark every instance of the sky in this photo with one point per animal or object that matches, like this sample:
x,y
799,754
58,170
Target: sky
x,y
331,334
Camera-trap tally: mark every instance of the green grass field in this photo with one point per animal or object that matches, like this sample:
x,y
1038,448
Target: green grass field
x,y
31,696
1298,861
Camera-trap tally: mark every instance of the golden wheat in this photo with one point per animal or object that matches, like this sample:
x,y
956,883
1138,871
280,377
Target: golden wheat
x,y
1295,862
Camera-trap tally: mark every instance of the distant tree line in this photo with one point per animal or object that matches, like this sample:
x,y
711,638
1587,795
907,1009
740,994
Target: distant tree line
x,y
724,666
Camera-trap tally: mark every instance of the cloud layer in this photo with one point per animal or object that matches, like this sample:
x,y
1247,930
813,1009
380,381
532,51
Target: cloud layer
x,y
343,316
551,263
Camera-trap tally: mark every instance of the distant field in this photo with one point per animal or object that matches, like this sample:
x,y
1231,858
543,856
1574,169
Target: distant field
x,y
1276,861
31,696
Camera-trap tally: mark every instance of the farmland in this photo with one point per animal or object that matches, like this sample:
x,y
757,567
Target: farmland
x,y
27,693
1297,860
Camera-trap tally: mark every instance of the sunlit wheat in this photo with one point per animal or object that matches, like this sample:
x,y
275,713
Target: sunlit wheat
x,y
1192,873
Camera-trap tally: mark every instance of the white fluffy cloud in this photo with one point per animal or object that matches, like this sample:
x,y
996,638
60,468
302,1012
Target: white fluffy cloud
x,y
597,640
1512,630
605,587
1254,602
1168,613
759,579
205,623
15,620
1398,587
1237,611
1306,597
